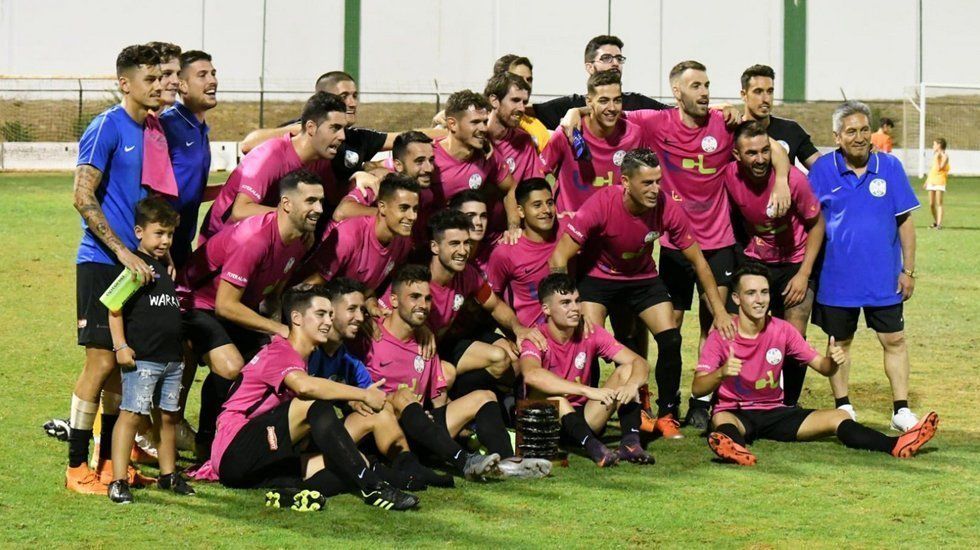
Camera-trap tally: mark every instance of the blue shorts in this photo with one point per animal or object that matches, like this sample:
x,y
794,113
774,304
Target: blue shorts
x,y
151,385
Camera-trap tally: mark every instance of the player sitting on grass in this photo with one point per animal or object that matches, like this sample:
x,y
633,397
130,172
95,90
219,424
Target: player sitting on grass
x,y
563,372
745,373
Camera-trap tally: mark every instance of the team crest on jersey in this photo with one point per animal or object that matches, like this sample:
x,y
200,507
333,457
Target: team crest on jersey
x,y
878,187
351,159
289,264
774,356
651,236
511,164
476,180
457,301
419,364
709,144
618,157
580,360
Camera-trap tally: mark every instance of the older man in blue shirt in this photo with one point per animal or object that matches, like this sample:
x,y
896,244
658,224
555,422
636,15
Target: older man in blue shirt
x,y
869,254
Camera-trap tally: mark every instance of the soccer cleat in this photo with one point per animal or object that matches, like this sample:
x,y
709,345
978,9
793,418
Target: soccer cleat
x,y
527,468
143,452
850,410
300,500
911,441
479,466
57,428
904,420
634,454
669,427
608,459
175,483
648,423
386,497
81,479
134,477
729,451
697,415
119,492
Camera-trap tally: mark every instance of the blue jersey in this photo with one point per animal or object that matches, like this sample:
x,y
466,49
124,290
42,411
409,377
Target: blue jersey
x,y
113,144
340,367
190,155
862,250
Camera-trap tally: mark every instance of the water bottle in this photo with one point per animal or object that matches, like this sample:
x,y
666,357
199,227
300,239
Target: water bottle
x,y
580,148
121,290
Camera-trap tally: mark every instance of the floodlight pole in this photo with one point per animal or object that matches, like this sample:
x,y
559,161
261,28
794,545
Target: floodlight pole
x,y
922,128
262,68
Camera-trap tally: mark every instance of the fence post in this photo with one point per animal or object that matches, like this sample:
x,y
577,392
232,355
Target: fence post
x,y
80,101
922,128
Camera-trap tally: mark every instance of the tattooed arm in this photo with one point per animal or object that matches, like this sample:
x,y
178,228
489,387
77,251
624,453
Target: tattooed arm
x,y
87,179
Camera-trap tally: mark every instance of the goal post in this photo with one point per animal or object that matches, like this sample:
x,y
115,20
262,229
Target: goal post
x,y
948,110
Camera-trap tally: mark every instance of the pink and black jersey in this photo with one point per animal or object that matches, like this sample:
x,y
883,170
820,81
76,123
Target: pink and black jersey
x,y
257,177
693,161
519,268
261,388
351,249
519,155
577,180
757,386
774,241
572,360
249,255
621,242
400,364
447,300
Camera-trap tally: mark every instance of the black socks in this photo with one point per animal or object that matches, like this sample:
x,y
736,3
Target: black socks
x,y
668,371
105,435
901,403
420,429
339,450
629,423
841,401
794,374
731,431
578,430
492,432
858,436
78,446
214,392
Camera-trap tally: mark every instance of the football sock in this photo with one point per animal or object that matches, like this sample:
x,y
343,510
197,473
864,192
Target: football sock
x,y
731,431
491,430
105,435
859,436
421,429
901,403
328,483
794,374
339,450
579,431
407,462
668,370
629,423
81,421
397,478
471,381
214,392
841,401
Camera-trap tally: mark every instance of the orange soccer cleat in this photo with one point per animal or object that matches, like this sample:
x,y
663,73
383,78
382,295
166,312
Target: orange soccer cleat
x,y
911,441
729,451
81,479
134,477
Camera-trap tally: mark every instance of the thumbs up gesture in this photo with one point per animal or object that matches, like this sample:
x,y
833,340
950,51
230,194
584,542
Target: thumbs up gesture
x,y
733,366
374,396
836,353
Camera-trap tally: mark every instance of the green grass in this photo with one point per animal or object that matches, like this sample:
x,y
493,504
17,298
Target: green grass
x,y
816,494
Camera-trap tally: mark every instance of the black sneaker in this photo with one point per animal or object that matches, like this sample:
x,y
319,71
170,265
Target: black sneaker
x,y
697,415
176,483
300,500
388,498
57,428
119,492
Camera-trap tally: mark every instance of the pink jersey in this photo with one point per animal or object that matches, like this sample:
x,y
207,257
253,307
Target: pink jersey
x,y
452,176
519,154
579,179
399,363
420,229
757,386
257,177
572,360
693,161
261,389
447,300
351,249
774,241
249,254
621,242
519,268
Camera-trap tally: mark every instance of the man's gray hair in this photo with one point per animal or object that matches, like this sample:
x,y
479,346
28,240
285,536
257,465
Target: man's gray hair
x,y
847,109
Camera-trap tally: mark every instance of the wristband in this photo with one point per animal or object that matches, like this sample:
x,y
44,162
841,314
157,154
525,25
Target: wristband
x,y
120,348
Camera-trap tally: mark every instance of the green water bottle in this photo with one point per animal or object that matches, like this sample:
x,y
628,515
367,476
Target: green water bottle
x,y
121,290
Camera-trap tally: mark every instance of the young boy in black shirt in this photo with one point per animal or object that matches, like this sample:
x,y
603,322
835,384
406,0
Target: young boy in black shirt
x,y
146,340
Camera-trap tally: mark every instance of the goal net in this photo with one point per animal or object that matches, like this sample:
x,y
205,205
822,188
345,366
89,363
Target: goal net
x,y
54,109
949,111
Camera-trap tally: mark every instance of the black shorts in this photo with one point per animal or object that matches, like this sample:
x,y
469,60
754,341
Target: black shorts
x,y
780,424
679,276
207,331
91,280
639,295
453,349
841,322
779,277
262,454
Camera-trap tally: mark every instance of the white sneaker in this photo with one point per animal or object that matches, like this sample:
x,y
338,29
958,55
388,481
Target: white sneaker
x,y
850,410
524,467
144,443
904,420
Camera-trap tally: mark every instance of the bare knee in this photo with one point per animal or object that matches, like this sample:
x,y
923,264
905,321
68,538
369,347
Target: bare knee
x,y
499,360
482,397
893,341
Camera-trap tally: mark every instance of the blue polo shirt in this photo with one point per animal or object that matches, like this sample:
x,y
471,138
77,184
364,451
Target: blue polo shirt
x,y
113,144
190,155
341,367
862,250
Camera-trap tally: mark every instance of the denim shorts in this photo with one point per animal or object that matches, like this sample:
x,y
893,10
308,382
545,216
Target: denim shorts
x,y
151,385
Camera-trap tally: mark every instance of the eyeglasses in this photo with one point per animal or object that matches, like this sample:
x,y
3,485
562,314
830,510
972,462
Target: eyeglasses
x,y
608,58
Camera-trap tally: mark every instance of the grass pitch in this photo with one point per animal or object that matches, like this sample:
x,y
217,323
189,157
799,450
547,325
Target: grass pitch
x,y
815,494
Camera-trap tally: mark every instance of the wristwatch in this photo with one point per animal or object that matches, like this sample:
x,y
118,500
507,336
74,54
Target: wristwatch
x,y
909,272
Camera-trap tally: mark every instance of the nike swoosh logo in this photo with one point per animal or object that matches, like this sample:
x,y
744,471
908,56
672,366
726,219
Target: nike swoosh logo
x,y
385,363
361,475
188,143
728,274
130,148
836,189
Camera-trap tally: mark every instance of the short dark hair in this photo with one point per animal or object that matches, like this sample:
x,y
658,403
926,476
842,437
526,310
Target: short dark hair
x,y
193,56
133,56
635,159
331,79
750,268
528,186
749,129
165,50
593,46
500,84
408,274
469,195
603,78
291,181
505,62
156,209
756,70
393,182
341,286
447,219
459,102
319,106
404,139
885,121
679,69
556,283
941,142
298,298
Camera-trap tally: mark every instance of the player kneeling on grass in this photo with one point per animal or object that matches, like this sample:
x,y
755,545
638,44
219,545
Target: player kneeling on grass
x,y
563,372
745,372
146,339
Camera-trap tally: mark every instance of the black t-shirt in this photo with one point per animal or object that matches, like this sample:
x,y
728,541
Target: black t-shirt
x,y
360,145
152,317
550,112
792,137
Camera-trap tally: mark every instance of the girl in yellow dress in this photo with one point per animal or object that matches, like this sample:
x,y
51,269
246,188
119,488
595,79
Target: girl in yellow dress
x,y
936,181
